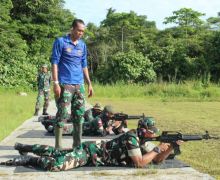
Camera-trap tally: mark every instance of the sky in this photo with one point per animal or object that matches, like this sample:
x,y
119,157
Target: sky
x,y
156,10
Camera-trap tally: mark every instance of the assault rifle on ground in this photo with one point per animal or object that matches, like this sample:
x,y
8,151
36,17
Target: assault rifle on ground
x,y
172,137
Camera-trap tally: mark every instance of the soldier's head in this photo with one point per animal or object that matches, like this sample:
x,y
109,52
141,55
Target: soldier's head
x,y
108,111
146,128
44,68
78,28
97,107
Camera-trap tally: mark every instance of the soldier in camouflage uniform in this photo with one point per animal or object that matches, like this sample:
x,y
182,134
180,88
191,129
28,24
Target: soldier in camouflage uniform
x,y
49,158
129,149
111,126
43,81
125,150
93,112
93,128
100,125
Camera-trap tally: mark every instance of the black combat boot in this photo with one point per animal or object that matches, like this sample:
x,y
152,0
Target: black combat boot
x,y
23,149
45,112
36,112
22,161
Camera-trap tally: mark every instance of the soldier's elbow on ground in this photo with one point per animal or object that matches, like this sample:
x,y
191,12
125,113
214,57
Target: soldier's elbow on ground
x,y
140,164
158,159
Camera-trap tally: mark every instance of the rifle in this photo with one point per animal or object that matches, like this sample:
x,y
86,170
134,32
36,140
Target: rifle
x,y
123,117
173,136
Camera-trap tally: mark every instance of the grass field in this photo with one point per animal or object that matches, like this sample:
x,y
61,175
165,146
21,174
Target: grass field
x,y
14,110
189,91
186,117
190,108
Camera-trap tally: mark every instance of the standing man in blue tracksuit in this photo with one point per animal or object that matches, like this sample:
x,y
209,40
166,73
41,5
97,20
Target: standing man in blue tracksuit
x,y
69,67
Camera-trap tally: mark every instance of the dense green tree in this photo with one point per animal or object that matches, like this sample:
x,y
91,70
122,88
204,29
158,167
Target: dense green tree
x,y
27,30
125,47
128,67
39,22
214,22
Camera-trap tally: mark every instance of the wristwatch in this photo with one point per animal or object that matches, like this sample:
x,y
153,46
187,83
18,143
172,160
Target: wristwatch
x,y
157,150
56,82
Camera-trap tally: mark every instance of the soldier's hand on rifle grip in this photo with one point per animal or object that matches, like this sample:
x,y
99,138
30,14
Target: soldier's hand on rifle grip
x,y
164,146
179,142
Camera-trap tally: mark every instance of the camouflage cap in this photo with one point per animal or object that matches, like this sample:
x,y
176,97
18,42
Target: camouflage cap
x,y
97,106
149,124
44,66
109,109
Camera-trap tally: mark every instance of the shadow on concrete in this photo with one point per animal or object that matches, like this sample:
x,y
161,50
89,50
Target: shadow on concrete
x,y
45,134
9,156
174,163
36,134
22,169
6,147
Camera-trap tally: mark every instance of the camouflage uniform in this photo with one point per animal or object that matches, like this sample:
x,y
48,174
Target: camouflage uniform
x,y
49,158
105,120
93,128
110,124
43,81
71,96
93,112
118,151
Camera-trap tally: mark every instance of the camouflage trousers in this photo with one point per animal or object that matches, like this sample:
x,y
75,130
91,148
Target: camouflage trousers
x,y
72,97
41,94
52,159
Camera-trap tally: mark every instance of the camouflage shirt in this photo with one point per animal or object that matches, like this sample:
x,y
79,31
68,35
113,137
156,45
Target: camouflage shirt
x,y
118,151
43,81
90,115
105,120
93,128
52,159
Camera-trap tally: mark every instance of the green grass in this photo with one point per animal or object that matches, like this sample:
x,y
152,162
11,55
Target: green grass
x,y
189,108
14,110
190,91
186,117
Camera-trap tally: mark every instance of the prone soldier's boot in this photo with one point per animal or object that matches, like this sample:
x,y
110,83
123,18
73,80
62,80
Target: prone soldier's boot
x,y
22,161
36,112
45,112
23,149
77,135
58,137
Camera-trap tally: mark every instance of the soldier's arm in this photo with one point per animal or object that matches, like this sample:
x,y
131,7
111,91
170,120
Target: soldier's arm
x,y
55,59
139,160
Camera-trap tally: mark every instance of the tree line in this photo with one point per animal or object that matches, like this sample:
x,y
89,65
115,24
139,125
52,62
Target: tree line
x,y
124,47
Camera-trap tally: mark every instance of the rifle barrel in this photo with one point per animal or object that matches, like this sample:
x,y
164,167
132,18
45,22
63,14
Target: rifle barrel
x,y
191,137
134,117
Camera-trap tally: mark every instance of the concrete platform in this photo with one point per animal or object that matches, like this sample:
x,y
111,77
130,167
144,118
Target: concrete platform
x,y
32,132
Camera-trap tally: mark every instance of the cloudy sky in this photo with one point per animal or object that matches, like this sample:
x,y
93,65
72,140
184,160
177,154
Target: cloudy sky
x,y
156,10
